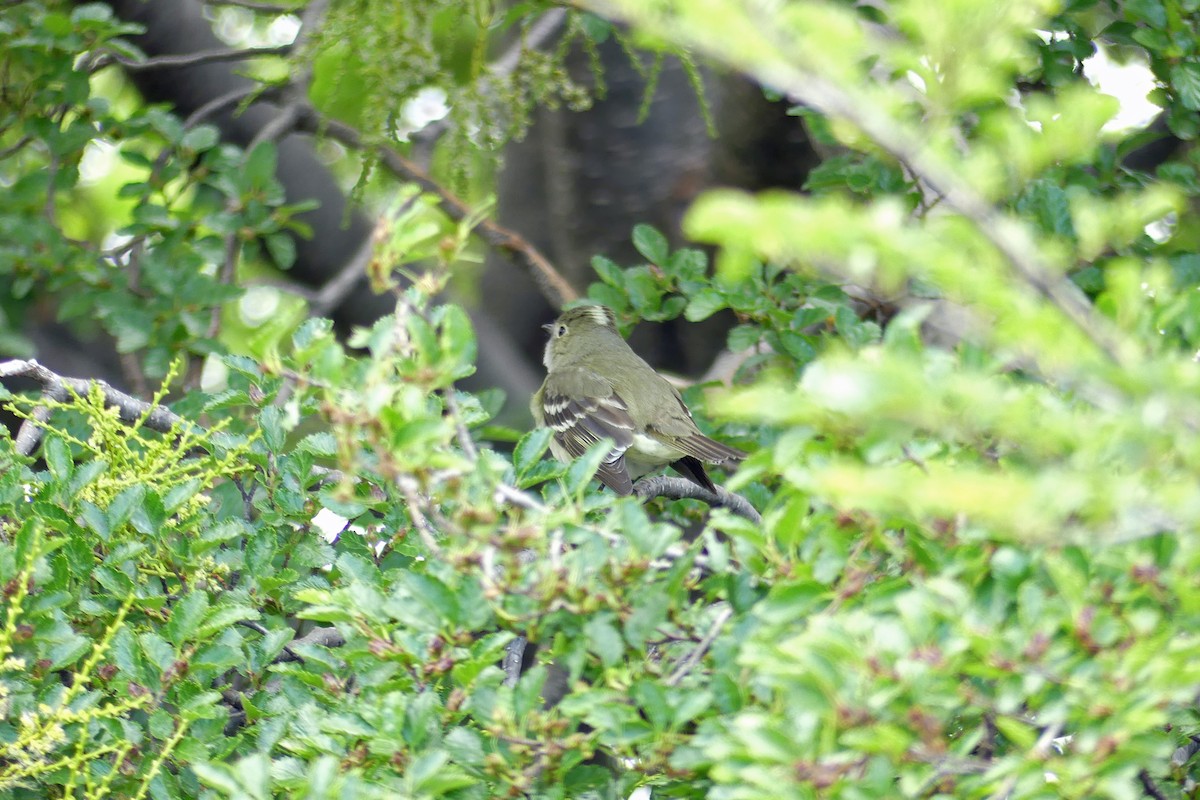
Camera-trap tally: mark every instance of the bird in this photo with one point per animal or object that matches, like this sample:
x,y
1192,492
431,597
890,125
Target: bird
x,y
597,387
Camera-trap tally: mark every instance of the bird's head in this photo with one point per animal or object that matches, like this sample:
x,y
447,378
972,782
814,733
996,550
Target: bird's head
x,y
578,331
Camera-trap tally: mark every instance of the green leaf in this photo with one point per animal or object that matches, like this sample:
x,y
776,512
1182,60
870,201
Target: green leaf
x,y
200,138
687,265
531,448
1185,79
66,652
604,640
608,271
225,615
282,248
650,243
583,469
258,170
58,458
1023,735
743,337
704,304
645,293
186,616
271,423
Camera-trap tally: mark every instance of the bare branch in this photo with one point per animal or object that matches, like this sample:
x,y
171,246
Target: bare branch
x,y
554,287
32,430
15,146
218,104
683,489
514,656
254,5
189,59
338,288
130,409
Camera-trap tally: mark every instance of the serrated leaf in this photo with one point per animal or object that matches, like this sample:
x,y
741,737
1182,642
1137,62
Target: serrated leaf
x,y
1185,79
224,616
57,454
186,616
271,422
319,444
531,448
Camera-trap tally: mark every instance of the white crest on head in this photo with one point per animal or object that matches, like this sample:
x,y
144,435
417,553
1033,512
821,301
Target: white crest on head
x,y
601,316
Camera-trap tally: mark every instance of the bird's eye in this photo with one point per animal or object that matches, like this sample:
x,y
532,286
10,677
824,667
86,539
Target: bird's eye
x,y
562,330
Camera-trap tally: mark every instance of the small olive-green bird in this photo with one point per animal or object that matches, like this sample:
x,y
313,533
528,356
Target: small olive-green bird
x,y
596,387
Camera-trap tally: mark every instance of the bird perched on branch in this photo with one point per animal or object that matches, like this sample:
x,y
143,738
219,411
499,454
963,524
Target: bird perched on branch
x,y
596,387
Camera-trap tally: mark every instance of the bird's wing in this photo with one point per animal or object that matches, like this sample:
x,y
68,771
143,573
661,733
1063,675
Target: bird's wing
x,y
679,430
582,408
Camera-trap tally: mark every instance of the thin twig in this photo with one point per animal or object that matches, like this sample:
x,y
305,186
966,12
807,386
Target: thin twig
x,y
338,288
280,126
460,428
15,146
310,21
683,489
254,5
554,287
262,631
221,102
189,59
516,497
688,662
408,487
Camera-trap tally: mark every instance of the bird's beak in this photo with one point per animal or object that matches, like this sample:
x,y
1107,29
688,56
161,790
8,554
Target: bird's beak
x,y
548,327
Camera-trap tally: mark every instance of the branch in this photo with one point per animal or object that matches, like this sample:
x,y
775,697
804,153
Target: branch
x,y
683,489
130,409
253,5
514,656
554,287
320,637
287,654
693,657
189,59
1149,786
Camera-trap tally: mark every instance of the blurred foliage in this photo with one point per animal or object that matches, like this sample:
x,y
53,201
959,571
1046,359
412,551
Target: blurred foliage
x,y
977,571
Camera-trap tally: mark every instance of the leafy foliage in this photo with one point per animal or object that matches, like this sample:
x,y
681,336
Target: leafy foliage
x,y
976,571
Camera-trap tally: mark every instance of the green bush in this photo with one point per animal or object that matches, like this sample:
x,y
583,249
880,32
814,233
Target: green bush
x,y
976,571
